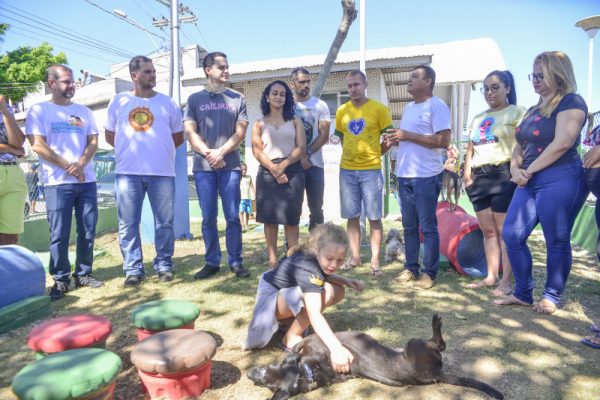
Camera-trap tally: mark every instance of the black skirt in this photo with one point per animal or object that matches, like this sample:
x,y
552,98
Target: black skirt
x,y
280,204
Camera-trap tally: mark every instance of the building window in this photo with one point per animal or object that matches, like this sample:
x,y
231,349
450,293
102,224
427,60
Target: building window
x,y
334,100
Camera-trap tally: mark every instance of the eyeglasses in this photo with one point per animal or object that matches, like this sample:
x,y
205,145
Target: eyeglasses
x,y
536,77
491,88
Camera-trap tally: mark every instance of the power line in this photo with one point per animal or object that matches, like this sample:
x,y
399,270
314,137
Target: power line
x,y
202,36
77,40
57,40
53,25
124,19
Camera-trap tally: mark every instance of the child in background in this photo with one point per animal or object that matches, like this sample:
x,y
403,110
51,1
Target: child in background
x,y
300,288
247,194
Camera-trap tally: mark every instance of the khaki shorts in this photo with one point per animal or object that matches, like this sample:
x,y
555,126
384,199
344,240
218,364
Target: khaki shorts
x,y
13,192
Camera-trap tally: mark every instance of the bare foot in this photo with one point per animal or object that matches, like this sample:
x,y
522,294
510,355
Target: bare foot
x,y
545,306
510,299
503,289
482,283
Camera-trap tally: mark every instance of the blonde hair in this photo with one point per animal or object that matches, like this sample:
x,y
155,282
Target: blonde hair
x,y
322,236
558,76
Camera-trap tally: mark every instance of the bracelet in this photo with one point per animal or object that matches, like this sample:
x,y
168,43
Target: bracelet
x,y
309,152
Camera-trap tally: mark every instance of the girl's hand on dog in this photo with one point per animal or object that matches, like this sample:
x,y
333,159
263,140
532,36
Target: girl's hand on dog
x,y
341,360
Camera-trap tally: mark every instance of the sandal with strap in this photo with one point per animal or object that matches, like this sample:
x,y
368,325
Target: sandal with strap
x,y
349,265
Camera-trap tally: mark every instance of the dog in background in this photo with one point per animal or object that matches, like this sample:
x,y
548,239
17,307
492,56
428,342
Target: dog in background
x,y
394,246
451,183
309,366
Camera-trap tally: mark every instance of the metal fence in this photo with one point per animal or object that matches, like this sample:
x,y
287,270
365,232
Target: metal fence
x,y
104,165
35,205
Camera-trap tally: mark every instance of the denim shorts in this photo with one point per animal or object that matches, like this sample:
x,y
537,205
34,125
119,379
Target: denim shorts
x,y
356,187
246,206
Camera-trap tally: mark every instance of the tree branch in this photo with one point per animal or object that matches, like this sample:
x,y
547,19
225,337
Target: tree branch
x,y
348,17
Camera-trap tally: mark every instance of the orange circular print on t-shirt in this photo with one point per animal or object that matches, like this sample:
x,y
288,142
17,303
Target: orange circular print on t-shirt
x,y
141,119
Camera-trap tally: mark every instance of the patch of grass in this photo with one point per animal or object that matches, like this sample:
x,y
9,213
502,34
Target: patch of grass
x,y
523,354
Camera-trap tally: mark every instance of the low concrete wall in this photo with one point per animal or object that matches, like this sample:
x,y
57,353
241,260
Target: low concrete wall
x,y
36,236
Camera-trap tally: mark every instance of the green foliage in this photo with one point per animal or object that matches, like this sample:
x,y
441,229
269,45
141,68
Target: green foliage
x,y
3,29
25,66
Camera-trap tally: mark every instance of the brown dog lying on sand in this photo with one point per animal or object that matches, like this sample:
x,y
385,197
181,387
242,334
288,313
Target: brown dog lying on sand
x,y
309,366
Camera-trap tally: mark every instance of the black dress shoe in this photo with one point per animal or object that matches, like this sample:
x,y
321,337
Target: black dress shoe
x,y
206,272
240,271
165,276
132,280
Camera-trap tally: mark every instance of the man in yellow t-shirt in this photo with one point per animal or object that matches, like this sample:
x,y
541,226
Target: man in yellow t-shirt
x,y
360,123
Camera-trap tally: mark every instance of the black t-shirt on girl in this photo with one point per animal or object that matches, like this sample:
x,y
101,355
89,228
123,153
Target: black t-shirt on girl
x,y
301,269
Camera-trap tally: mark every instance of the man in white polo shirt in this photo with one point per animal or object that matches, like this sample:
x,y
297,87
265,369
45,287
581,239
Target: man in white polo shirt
x,y
65,137
145,127
424,132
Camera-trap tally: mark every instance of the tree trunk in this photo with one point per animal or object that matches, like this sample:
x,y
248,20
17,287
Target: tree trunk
x,y
348,17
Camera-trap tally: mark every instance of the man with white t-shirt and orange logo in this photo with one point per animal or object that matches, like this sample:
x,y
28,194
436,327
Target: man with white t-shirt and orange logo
x,y
145,127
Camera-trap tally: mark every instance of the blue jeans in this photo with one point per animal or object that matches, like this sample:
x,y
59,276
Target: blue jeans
x,y
60,202
226,184
358,188
552,197
130,191
314,182
418,202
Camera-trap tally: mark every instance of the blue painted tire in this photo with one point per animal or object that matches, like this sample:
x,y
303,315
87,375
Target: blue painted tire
x,y
22,275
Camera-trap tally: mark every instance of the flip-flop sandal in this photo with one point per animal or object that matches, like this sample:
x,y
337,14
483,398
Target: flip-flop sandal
x,y
376,272
595,328
349,265
591,343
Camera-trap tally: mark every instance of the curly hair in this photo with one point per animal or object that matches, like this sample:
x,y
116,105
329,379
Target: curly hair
x,y
288,106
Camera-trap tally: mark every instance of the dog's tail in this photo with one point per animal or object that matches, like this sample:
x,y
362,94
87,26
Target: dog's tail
x,y
472,383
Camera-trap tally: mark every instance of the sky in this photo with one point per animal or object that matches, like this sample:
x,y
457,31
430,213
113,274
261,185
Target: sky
x,y
93,38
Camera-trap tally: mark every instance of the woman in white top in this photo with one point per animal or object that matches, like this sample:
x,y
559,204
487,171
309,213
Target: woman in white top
x,y
278,143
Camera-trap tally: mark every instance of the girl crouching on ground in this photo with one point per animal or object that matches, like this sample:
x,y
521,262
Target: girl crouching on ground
x,y
300,288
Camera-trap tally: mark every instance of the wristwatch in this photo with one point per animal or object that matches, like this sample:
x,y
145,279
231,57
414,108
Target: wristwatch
x,y
309,152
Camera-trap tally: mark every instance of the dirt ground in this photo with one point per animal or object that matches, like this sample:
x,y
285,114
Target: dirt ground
x,y
523,354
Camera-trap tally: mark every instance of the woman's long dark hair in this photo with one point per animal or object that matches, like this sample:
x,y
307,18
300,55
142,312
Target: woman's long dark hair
x,y
288,106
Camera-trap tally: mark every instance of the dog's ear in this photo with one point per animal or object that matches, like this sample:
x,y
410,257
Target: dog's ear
x,y
388,237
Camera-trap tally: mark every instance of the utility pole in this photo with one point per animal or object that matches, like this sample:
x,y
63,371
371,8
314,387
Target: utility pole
x,y
182,210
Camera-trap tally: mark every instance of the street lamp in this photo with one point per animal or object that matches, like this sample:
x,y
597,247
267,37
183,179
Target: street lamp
x,y
590,25
123,15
